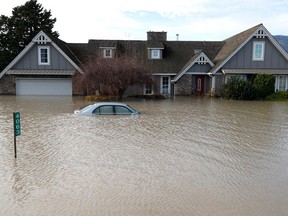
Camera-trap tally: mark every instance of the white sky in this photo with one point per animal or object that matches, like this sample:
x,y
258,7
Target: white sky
x,y
78,21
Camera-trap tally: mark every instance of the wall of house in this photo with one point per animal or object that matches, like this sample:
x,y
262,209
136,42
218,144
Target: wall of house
x,y
199,68
218,83
184,85
243,59
30,60
7,85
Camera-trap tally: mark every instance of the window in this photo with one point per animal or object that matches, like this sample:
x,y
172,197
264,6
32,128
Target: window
x,y
282,83
44,55
120,110
107,53
240,77
199,87
165,85
155,54
258,51
104,110
148,90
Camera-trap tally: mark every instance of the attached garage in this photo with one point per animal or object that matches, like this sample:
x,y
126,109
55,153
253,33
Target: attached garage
x,y
41,86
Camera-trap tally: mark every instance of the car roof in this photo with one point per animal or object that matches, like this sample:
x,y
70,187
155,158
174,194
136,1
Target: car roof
x,y
109,103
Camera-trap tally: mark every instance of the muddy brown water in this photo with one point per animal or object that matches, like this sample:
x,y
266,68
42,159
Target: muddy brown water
x,y
181,156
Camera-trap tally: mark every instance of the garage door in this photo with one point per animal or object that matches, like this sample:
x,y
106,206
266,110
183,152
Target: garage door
x,y
43,86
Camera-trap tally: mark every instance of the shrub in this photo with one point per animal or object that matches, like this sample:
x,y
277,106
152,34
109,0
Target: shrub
x,y
264,85
100,98
238,89
278,96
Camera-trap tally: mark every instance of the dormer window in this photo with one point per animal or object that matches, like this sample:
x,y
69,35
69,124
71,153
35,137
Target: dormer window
x,y
258,51
155,49
155,54
43,55
107,53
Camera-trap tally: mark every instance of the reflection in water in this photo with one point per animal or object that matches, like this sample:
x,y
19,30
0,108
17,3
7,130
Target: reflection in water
x,y
181,156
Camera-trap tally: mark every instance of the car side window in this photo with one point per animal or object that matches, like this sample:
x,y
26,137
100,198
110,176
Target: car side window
x,y
104,110
120,110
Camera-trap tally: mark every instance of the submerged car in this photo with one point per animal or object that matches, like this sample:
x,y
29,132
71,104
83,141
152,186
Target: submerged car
x,y
106,108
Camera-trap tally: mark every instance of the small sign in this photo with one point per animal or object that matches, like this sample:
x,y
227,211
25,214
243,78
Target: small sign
x,y
17,127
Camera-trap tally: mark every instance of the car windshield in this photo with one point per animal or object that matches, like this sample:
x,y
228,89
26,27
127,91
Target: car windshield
x,y
84,108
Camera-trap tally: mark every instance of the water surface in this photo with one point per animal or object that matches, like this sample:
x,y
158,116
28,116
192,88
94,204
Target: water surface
x,y
181,156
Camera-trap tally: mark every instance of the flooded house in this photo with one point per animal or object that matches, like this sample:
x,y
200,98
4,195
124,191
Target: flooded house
x,y
48,65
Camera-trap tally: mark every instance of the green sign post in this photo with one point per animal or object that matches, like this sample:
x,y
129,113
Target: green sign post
x,y
17,129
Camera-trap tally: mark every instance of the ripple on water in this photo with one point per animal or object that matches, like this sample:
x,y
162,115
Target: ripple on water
x,y
179,157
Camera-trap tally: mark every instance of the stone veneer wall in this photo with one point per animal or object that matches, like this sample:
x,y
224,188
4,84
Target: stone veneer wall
x,y
184,85
7,85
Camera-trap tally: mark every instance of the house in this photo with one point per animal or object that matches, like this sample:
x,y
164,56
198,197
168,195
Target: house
x,y
47,65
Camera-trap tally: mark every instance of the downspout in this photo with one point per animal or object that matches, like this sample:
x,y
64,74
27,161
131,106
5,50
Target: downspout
x,y
212,90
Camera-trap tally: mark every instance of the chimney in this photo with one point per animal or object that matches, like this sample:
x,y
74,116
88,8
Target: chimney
x,y
156,36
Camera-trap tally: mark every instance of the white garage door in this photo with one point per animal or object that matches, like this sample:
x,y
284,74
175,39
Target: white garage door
x,y
43,86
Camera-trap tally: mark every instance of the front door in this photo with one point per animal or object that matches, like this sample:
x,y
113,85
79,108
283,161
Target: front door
x,y
199,84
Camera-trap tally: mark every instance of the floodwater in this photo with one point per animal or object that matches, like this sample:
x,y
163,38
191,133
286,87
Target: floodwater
x,y
181,156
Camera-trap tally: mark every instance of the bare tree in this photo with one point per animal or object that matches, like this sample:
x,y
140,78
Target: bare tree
x,y
113,76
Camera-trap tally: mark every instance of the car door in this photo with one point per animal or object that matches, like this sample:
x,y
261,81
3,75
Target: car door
x,y
121,110
104,110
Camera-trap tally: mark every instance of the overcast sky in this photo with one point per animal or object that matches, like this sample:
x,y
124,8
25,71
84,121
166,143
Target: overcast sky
x,y
78,21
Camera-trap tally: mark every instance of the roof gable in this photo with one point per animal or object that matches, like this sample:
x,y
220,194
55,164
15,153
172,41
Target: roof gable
x,y
235,43
199,58
43,38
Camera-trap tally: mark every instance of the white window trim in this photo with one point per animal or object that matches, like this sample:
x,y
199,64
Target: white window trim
x,y
39,55
255,43
104,53
277,83
169,85
155,57
152,90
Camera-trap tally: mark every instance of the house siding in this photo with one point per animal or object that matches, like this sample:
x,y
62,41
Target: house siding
x,y
202,68
243,59
30,60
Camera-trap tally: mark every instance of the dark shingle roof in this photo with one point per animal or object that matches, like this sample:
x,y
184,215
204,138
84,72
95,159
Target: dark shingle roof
x,y
176,54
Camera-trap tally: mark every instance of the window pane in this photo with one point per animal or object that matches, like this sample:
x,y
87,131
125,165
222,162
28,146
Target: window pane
x,y
165,85
258,51
282,83
122,110
106,110
148,89
43,55
155,54
199,84
96,111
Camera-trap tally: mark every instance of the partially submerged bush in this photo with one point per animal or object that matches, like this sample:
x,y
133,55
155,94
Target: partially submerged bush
x,y
278,96
154,96
99,98
264,85
258,88
238,89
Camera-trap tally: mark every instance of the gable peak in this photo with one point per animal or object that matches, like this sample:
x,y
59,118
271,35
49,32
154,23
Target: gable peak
x,y
261,32
41,38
